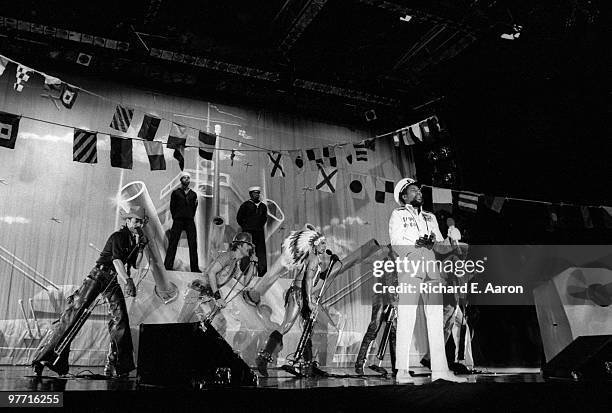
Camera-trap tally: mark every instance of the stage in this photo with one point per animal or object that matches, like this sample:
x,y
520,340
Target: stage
x,y
495,389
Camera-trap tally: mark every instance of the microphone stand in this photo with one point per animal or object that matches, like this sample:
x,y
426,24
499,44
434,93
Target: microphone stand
x,y
389,314
298,355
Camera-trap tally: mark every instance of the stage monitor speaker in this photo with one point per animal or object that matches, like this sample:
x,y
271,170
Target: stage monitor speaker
x,y
189,354
586,358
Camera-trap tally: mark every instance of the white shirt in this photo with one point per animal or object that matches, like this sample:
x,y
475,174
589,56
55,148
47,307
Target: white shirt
x,y
406,225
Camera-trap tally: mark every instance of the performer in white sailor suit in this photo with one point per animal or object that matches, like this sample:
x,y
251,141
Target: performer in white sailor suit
x,y
415,234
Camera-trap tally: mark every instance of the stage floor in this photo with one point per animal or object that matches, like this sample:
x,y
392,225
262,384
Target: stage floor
x,y
495,389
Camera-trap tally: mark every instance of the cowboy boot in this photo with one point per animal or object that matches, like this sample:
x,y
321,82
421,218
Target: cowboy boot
x,y
111,359
274,344
361,356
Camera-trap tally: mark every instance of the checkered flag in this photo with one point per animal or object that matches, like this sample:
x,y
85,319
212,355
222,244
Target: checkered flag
x,y
22,76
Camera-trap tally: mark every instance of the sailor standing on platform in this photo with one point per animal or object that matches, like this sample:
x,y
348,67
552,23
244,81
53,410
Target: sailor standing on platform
x,y
252,216
183,205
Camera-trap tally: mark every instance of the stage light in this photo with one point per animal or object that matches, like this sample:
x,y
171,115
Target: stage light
x,y
406,18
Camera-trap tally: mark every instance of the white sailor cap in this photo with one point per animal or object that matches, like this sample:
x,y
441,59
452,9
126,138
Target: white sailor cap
x,y
399,188
255,188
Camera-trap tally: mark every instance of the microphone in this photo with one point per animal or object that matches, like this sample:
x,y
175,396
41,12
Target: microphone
x,y
332,256
91,245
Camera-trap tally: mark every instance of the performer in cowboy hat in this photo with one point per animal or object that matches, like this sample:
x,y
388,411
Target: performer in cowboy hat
x,y
414,234
123,249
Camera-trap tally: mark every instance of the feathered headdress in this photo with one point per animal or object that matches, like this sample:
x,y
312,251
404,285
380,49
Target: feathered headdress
x,y
299,244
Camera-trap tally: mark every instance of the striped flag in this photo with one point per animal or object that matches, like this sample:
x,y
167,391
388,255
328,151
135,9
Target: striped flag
x,y
362,148
155,152
207,144
467,202
122,118
84,148
149,127
177,140
121,152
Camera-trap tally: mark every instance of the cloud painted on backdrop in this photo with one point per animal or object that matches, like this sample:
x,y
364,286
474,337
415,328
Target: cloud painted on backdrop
x,y
14,220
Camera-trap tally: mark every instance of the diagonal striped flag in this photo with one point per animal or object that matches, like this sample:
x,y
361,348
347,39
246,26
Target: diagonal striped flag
x,y
122,118
207,145
84,148
467,201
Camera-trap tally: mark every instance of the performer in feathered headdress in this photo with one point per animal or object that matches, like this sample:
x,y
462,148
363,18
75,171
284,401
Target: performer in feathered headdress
x,y
301,252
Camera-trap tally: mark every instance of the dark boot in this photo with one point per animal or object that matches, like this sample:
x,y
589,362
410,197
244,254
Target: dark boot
x,y
111,360
361,356
274,344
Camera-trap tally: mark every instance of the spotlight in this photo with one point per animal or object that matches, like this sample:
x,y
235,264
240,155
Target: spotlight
x,y
406,18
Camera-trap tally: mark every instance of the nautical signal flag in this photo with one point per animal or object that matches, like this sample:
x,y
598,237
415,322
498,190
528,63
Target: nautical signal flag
x,y
22,76
357,186
149,127
177,141
315,156
68,95
121,152
326,179
84,148
3,63
329,156
122,118
467,201
382,187
207,143
277,167
155,152
9,126
362,148
297,157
